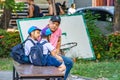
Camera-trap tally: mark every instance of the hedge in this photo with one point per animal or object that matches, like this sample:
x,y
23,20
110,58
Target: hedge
x,y
9,40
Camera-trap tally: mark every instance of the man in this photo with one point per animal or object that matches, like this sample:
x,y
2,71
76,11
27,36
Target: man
x,y
58,8
33,10
55,40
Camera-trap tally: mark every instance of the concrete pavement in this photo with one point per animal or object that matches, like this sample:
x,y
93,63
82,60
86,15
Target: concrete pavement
x,y
7,75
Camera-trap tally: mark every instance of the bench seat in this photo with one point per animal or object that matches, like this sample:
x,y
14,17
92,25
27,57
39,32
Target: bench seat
x,y
27,71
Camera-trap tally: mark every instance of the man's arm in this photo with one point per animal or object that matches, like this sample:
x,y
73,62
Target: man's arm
x,y
61,10
50,11
53,53
31,9
58,45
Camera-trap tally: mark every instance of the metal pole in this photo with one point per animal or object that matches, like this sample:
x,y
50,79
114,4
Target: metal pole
x,y
54,8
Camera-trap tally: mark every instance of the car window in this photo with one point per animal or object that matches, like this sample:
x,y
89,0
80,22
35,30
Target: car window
x,y
80,11
103,15
83,11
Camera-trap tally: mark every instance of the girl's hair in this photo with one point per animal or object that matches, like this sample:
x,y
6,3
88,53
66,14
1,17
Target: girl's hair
x,y
73,5
47,37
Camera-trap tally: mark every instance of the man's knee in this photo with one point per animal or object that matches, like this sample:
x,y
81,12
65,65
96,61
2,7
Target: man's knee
x,y
68,61
71,62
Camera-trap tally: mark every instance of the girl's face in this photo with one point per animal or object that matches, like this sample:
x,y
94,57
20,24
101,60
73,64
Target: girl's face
x,y
35,34
73,6
53,26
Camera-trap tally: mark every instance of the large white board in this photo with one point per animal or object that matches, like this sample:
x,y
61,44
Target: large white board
x,y
74,28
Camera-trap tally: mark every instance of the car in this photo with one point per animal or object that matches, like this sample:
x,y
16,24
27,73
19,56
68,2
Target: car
x,y
106,13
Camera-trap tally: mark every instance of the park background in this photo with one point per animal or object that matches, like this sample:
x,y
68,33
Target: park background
x,y
107,51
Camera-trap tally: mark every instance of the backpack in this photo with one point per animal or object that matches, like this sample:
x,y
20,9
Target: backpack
x,y
57,8
18,53
36,12
36,54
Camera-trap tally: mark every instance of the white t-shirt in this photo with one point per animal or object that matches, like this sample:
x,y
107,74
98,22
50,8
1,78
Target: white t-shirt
x,y
47,47
71,11
28,45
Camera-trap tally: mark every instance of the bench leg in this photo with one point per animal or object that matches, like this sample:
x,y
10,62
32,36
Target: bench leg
x,y
17,77
50,79
47,79
13,73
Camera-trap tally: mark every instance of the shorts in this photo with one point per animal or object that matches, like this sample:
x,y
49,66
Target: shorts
x,y
52,61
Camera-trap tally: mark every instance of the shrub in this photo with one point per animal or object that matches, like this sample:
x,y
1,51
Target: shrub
x,y
97,38
105,47
9,40
113,43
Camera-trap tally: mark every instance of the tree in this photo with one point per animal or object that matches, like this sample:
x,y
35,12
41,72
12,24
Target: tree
x,y
116,23
8,7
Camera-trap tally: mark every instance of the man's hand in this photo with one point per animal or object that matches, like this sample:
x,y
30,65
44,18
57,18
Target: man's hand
x,y
60,58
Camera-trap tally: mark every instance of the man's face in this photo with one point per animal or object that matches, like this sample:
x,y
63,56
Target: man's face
x,y
53,26
35,34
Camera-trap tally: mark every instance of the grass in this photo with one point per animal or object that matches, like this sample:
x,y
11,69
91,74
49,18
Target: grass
x,y
109,70
5,64
91,69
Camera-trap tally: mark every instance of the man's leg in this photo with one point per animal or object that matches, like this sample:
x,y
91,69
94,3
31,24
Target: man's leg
x,y
69,64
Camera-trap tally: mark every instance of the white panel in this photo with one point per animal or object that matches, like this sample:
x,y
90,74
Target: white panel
x,y
74,28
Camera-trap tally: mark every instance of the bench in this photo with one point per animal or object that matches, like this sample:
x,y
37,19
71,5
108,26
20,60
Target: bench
x,y
28,71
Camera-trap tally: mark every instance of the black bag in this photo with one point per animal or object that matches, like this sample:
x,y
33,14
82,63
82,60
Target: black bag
x,y
18,53
36,54
57,5
36,12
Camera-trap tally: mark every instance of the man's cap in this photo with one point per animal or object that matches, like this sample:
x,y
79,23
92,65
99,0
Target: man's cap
x,y
46,31
56,19
33,28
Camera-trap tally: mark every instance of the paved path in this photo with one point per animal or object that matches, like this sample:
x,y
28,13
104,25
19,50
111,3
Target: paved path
x,y
7,75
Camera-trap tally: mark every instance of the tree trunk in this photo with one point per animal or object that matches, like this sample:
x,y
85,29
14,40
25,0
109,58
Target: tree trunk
x,y
5,18
116,23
